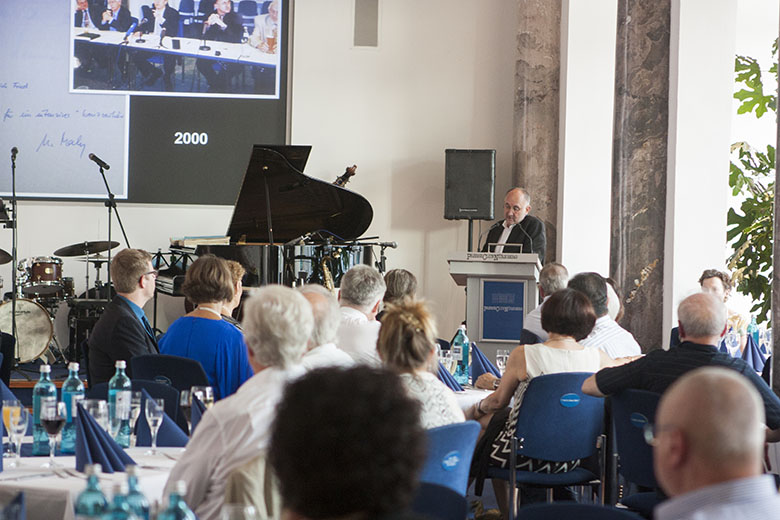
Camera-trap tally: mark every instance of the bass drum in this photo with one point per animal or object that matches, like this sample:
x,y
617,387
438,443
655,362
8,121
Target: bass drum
x,y
33,326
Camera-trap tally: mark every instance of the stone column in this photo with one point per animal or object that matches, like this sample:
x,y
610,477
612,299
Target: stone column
x,y
639,164
537,107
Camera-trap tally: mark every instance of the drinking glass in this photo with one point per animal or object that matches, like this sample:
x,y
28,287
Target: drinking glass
x,y
135,413
53,419
732,343
10,407
185,404
18,429
155,408
205,394
98,409
446,360
502,356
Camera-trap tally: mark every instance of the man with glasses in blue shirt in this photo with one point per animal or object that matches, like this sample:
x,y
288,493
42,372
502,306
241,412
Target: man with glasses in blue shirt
x,y
123,331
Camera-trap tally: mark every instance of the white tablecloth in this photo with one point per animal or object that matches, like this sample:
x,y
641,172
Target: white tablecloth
x,y
50,497
469,396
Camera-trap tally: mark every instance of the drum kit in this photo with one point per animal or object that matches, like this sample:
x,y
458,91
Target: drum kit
x,y
41,288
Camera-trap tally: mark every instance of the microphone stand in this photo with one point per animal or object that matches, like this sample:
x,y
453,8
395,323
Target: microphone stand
x,y
267,257
14,253
111,205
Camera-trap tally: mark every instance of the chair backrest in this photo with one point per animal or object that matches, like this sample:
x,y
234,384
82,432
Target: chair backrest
x,y
247,8
631,410
183,373
573,511
156,390
557,422
529,338
674,337
439,503
450,449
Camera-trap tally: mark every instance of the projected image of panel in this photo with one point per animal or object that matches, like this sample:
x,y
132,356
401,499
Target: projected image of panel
x,y
198,48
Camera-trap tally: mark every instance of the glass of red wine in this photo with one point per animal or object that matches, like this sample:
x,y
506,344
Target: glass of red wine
x,y
53,419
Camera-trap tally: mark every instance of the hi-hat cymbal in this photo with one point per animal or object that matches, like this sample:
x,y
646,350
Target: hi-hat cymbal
x,y
95,259
86,248
5,257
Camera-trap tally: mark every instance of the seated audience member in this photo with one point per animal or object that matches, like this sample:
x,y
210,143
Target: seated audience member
x,y
607,335
708,449
265,35
223,25
161,20
115,17
567,317
237,273
702,322
365,463
407,345
362,288
321,349
277,323
400,284
89,18
123,331
719,284
552,277
203,335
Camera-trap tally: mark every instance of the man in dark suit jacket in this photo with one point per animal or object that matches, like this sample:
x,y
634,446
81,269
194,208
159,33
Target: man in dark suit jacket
x,y
518,227
223,25
115,17
161,20
123,332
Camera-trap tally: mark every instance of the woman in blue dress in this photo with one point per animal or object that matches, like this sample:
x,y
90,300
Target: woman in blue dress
x,y
203,335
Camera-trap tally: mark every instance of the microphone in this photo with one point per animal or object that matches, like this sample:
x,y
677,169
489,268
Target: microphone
x,y
488,230
297,240
162,35
14,151
526,234
100,162
388,244
143,22
130,31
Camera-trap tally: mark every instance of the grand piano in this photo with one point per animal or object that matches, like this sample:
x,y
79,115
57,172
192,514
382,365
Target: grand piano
x,y
287,227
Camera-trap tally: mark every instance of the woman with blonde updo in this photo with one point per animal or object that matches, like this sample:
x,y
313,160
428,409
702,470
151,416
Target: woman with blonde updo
x,y
407,345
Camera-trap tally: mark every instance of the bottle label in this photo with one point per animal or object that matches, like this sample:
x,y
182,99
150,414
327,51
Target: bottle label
x,y
48,407
457,352
123,398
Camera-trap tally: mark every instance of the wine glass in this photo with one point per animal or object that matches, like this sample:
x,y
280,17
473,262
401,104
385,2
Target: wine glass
x,y
10,407
502,355
732,342
98,409
53,416
185,404
18,429
205,394
135,413
155,408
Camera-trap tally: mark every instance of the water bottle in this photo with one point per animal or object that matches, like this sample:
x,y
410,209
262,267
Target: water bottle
x,y
460,353
245,36
72,393
177,508
119,509
91,503
752,330
44,393
138,503
120,392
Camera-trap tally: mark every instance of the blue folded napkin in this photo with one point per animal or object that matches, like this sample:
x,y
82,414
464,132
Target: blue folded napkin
x,y
5,393
95,446
723,348
197,410
446,378
169,434
481,364
752,355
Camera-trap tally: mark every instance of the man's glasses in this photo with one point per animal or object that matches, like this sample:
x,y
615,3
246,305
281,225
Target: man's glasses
x,y
155,273
652,431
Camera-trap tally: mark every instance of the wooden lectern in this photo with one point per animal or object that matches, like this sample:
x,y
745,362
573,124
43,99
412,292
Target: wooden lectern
x,y
500,291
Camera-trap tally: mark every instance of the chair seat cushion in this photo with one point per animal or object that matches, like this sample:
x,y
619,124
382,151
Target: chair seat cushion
x,y
570,478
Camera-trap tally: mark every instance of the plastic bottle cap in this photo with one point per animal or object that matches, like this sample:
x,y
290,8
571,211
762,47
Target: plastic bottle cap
x,y
120,488
180,487
73,366
92,469
131,470
121,364
45,369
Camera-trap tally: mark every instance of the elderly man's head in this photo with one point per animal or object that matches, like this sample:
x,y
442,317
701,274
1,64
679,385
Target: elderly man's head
x,y
517,204
326,314
708,429
277,325
553,277
702,318
362,288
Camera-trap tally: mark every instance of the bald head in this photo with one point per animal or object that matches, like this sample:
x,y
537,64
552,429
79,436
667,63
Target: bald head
x,y
553,277
702,318
709,429
327,316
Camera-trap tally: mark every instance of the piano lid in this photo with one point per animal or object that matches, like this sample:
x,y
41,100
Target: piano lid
x,y
298,204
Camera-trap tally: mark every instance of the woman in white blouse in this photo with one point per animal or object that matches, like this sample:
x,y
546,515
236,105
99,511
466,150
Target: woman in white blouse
x,y
407,345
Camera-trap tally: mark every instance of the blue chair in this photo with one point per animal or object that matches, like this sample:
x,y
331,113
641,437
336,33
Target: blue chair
x,y
450,449
156,390
529,338
631,410
439,503
674,337
557,422
180,372
248,9
574,511
186,16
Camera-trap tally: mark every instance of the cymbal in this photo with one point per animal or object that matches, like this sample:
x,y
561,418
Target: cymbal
x,y
5,257
86,248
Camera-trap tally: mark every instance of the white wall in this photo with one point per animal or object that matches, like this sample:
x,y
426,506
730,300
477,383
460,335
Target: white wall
x,y
700,111
588,35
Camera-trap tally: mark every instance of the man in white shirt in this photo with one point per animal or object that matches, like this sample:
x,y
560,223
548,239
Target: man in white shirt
x,y
607,335
708,448
362,289
277,325
552,277
322,351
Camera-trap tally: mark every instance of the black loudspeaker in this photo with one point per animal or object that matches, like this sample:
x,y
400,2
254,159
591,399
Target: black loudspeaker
x,y
469,185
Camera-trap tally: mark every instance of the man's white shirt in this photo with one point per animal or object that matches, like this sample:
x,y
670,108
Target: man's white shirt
x,y
357,336
613,339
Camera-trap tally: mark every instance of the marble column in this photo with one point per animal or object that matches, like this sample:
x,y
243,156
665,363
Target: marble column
x,y
537,102
640,163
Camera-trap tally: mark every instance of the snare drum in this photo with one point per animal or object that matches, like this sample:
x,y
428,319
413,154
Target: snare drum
x,y
44,275
33,326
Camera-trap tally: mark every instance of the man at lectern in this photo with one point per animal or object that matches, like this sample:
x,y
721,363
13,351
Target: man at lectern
x,y
519,231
